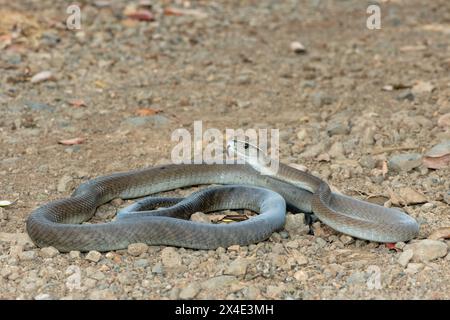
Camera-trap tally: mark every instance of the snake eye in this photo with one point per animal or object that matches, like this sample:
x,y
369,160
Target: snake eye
x,y
246,145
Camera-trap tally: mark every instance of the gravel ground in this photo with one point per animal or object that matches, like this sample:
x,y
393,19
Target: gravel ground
x,y
359,108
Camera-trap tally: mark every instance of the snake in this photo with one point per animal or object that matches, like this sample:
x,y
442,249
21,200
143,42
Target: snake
x,y
64,223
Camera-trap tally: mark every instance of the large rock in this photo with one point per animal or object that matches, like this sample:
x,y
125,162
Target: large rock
x,y
427,250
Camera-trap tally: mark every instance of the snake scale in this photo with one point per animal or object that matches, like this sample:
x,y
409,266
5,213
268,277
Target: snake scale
x,y
59,223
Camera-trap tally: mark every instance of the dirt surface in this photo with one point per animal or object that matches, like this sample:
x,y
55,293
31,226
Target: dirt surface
x,y
345,108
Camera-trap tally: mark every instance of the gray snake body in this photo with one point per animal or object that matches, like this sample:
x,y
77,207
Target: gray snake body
x,y
58,223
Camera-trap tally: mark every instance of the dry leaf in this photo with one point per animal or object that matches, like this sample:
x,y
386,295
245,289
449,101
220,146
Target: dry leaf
x,y
436,162
100,84
41,76
78,103
438,157
147,112
70,142
384,168
437,28
406,196
171,11
215,218
441,233
412,48
234,217
377,199
141,15
5,203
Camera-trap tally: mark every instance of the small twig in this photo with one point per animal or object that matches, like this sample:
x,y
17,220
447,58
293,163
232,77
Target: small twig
x,y
389,149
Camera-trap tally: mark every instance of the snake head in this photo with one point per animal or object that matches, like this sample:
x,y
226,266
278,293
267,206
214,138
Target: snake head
x,y
247,151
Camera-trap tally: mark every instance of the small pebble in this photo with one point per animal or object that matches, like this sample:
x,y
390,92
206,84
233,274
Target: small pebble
x,y
300,258
219,282
237,268
234,247
405,162
301,276
156,120
428,206
200,217
104,294
93,256
43,296
38,106
170,257
446,197
406,95
41,76
413,268
117,202
74,254
337,150
345,239
368,136
368,162
244,79
405,257
338,127
49,252
319,99
190,291
15,251
220,250
141,263
136,249
295,224
298,47
321,242
27,255
158,268
400,245
63,183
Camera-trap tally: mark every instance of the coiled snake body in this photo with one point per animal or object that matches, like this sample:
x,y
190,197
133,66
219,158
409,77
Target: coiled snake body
x,y
58,223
